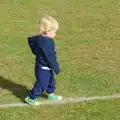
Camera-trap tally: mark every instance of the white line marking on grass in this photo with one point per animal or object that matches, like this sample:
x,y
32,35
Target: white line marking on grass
x,y
67,100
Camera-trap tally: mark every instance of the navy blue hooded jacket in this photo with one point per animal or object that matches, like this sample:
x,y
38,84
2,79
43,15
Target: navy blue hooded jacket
x,y
44,49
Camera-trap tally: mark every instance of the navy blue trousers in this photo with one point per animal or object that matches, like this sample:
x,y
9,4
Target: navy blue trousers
x,y
45,82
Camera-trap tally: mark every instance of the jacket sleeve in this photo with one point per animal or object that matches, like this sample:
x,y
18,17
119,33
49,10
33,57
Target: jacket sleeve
x,y
50,55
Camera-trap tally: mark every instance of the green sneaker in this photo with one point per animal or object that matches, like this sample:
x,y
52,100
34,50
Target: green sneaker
x,y
54,97
31,101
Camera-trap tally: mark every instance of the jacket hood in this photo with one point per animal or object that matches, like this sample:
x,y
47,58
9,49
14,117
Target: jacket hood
x,y
32,41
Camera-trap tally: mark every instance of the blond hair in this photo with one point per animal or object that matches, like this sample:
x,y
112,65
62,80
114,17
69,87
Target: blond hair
x,y
47,23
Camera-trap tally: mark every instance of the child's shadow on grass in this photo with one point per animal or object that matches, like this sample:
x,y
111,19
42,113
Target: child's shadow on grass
x,y
17,90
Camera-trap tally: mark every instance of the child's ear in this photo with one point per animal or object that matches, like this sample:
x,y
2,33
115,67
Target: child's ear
x,y
45,33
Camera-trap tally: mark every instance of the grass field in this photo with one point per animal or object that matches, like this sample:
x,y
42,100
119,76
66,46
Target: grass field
x,y
88,51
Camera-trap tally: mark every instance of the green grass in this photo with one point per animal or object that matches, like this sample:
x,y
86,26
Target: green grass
x,y
101,110
87,46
